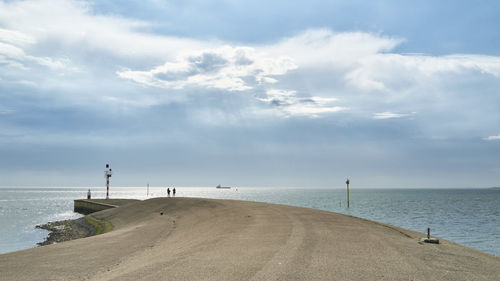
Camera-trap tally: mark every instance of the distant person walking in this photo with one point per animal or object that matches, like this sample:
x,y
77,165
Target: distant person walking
x,y
88,194
173,191
168,192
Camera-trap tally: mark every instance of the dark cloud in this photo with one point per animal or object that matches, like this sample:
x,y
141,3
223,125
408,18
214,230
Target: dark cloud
x,y
208,62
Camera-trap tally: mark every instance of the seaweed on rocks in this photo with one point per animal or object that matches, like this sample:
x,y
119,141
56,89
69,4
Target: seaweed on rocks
x,y
66,230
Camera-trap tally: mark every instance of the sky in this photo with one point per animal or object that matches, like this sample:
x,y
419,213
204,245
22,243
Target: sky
x,y
390,94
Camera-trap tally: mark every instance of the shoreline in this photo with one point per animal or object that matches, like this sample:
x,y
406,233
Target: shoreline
x,y
193,239
86,226
66,230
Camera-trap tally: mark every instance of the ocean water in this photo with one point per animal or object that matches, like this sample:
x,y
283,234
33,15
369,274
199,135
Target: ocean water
x,y
470,217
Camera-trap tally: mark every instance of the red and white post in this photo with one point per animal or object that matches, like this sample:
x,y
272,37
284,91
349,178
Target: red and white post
x,y
107,174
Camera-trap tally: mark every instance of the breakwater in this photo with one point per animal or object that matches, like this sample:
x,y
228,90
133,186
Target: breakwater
x,y
451,214
304,243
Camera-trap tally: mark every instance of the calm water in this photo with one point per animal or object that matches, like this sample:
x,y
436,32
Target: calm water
x,y
469,217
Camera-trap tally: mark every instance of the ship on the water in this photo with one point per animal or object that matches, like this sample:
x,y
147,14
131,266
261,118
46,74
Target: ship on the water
x,y
222,187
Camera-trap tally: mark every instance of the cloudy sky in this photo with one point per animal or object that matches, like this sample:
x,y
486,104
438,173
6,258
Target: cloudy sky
x,y
250,93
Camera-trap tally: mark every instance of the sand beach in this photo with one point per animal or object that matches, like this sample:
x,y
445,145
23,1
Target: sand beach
x,y
210,239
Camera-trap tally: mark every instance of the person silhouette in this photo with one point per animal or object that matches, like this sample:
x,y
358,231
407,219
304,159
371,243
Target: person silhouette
x,y
173,192
168,192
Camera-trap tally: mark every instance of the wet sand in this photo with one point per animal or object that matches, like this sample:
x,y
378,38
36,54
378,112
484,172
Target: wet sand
x,y
205,239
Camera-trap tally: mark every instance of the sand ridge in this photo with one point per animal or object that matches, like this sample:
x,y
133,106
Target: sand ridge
x,y
208,239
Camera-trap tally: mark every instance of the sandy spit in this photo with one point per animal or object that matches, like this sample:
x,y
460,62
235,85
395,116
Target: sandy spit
x,y
206,239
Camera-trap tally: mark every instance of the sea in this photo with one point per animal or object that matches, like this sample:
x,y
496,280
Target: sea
x,y
469,217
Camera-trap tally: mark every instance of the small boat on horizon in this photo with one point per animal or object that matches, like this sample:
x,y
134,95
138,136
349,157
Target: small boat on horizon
x,y
222,187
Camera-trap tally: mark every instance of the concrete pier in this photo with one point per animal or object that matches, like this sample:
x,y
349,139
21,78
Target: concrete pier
x,y
88,206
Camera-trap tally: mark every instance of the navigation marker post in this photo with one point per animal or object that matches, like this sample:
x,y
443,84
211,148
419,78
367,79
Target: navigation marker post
x,y
107,174
347,182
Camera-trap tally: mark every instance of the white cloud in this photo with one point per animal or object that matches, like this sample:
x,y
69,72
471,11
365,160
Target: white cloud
x,y
73,24
289,104
388,115
12,53
391,72
322,46
491,138
15,37
311,48
15,57
361,69
221,68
